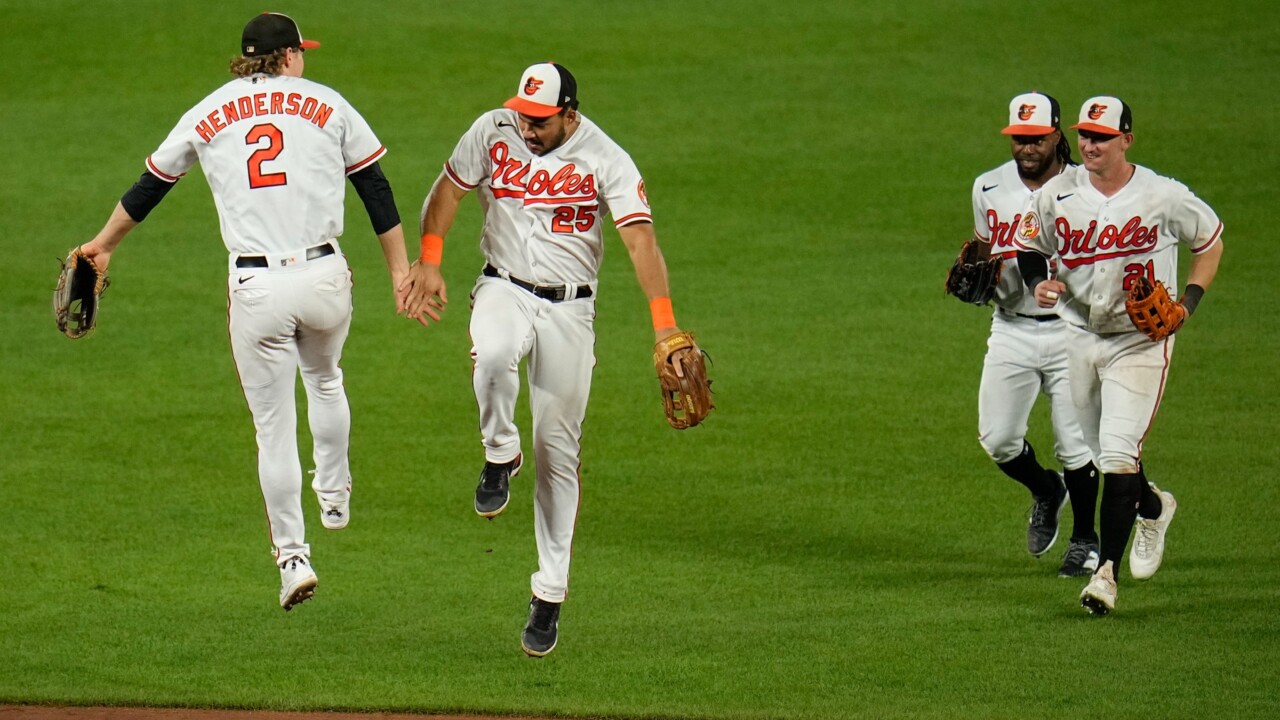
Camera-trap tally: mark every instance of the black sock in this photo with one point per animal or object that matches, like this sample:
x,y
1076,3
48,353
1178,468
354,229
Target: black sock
x,y
1120,493
1027,471
1082,483
1150,506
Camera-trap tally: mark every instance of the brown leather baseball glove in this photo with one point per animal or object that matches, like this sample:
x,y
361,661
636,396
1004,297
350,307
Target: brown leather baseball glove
x,y
75,299
1152,310
686,393
974,275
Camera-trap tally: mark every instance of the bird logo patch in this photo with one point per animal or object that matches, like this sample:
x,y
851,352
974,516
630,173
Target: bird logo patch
x,y
1030,228
1024,111
1096,110
532,86
644,197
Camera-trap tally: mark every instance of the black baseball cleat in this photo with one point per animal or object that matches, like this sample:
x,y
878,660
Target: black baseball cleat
x,y
1081,559
1042,528
494,490
539,636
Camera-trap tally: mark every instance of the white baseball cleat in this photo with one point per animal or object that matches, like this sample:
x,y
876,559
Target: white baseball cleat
x,y
1148,539
1099,596
297,582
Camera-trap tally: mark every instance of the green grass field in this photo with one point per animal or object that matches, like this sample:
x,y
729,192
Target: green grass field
x,y
833,543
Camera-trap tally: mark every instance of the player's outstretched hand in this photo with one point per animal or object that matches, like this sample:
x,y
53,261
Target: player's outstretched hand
x,y
1048,292
422,293
100,257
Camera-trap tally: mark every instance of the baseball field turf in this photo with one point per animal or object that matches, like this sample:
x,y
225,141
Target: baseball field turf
x,y
832,543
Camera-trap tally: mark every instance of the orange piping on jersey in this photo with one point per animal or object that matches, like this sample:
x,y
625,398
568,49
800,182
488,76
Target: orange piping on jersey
x,y
1164,375
163,176
557,200
632,218
1211,241
457,180
367,161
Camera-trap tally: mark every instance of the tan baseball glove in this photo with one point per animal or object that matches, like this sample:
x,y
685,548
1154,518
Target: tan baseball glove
x,y
75,299
1152,310
686,394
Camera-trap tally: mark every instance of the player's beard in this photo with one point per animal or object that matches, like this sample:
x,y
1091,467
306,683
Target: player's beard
x,y
1036,171
555,141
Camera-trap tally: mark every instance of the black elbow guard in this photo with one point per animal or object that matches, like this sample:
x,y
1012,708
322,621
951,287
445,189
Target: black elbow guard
x,y
375,191
144,196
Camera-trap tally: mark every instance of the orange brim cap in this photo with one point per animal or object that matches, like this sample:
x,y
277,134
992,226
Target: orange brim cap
x,y
1027,130
1094,127
532,109
309,45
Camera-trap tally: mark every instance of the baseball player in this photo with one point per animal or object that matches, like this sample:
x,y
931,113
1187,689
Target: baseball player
x,y
1111,224
1026,353
276,149
547,177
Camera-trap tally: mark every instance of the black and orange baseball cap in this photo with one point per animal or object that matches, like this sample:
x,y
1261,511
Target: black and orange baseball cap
x,y
1105,115
545,89
1033,113
268,32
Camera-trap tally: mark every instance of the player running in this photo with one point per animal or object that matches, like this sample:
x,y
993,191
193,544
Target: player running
x,y
1026,352
1111,224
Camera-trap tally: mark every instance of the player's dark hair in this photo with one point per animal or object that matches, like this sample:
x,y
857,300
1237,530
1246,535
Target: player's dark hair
x,y
272,64
1063,149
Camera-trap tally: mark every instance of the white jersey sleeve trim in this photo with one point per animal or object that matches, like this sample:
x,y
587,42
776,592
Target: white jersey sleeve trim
x,y
457,180
633,218
382,150
151,167
1213,239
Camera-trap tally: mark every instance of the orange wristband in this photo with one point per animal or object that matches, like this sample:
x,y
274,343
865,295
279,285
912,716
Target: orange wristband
x,y
663,316
432,248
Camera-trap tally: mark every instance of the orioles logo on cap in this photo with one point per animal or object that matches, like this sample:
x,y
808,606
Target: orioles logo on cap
x,y
1024,111
1096,110
532,86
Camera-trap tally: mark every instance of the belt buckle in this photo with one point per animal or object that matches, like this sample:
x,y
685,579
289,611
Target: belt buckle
x,y
555,293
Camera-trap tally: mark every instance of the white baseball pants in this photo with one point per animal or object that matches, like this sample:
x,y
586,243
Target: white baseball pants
x,y
1117,381
1025,357
284,319
508,324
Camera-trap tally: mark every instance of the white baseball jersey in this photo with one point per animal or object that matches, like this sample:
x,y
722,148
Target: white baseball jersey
x,y
999,198
543,214
276,151
1104,244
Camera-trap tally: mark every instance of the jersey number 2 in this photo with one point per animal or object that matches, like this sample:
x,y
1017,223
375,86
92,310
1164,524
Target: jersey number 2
x,y
275,143
567,219
1133,271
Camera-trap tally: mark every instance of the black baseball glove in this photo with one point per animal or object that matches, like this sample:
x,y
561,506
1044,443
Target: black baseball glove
x,y
75,299
975,274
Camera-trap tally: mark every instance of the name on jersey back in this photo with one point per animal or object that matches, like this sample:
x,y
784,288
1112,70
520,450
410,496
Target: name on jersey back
x,y
262,104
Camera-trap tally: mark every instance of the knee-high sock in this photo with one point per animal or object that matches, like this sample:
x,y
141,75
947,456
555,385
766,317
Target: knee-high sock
x,y
1120,493
1028,471
1082,483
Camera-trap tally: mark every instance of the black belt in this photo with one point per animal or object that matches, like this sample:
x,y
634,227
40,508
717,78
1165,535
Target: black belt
x,y
260,261
554,293
1037,318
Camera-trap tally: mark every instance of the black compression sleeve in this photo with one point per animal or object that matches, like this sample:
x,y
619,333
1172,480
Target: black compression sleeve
x,y
1034,268
374,189
144,196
